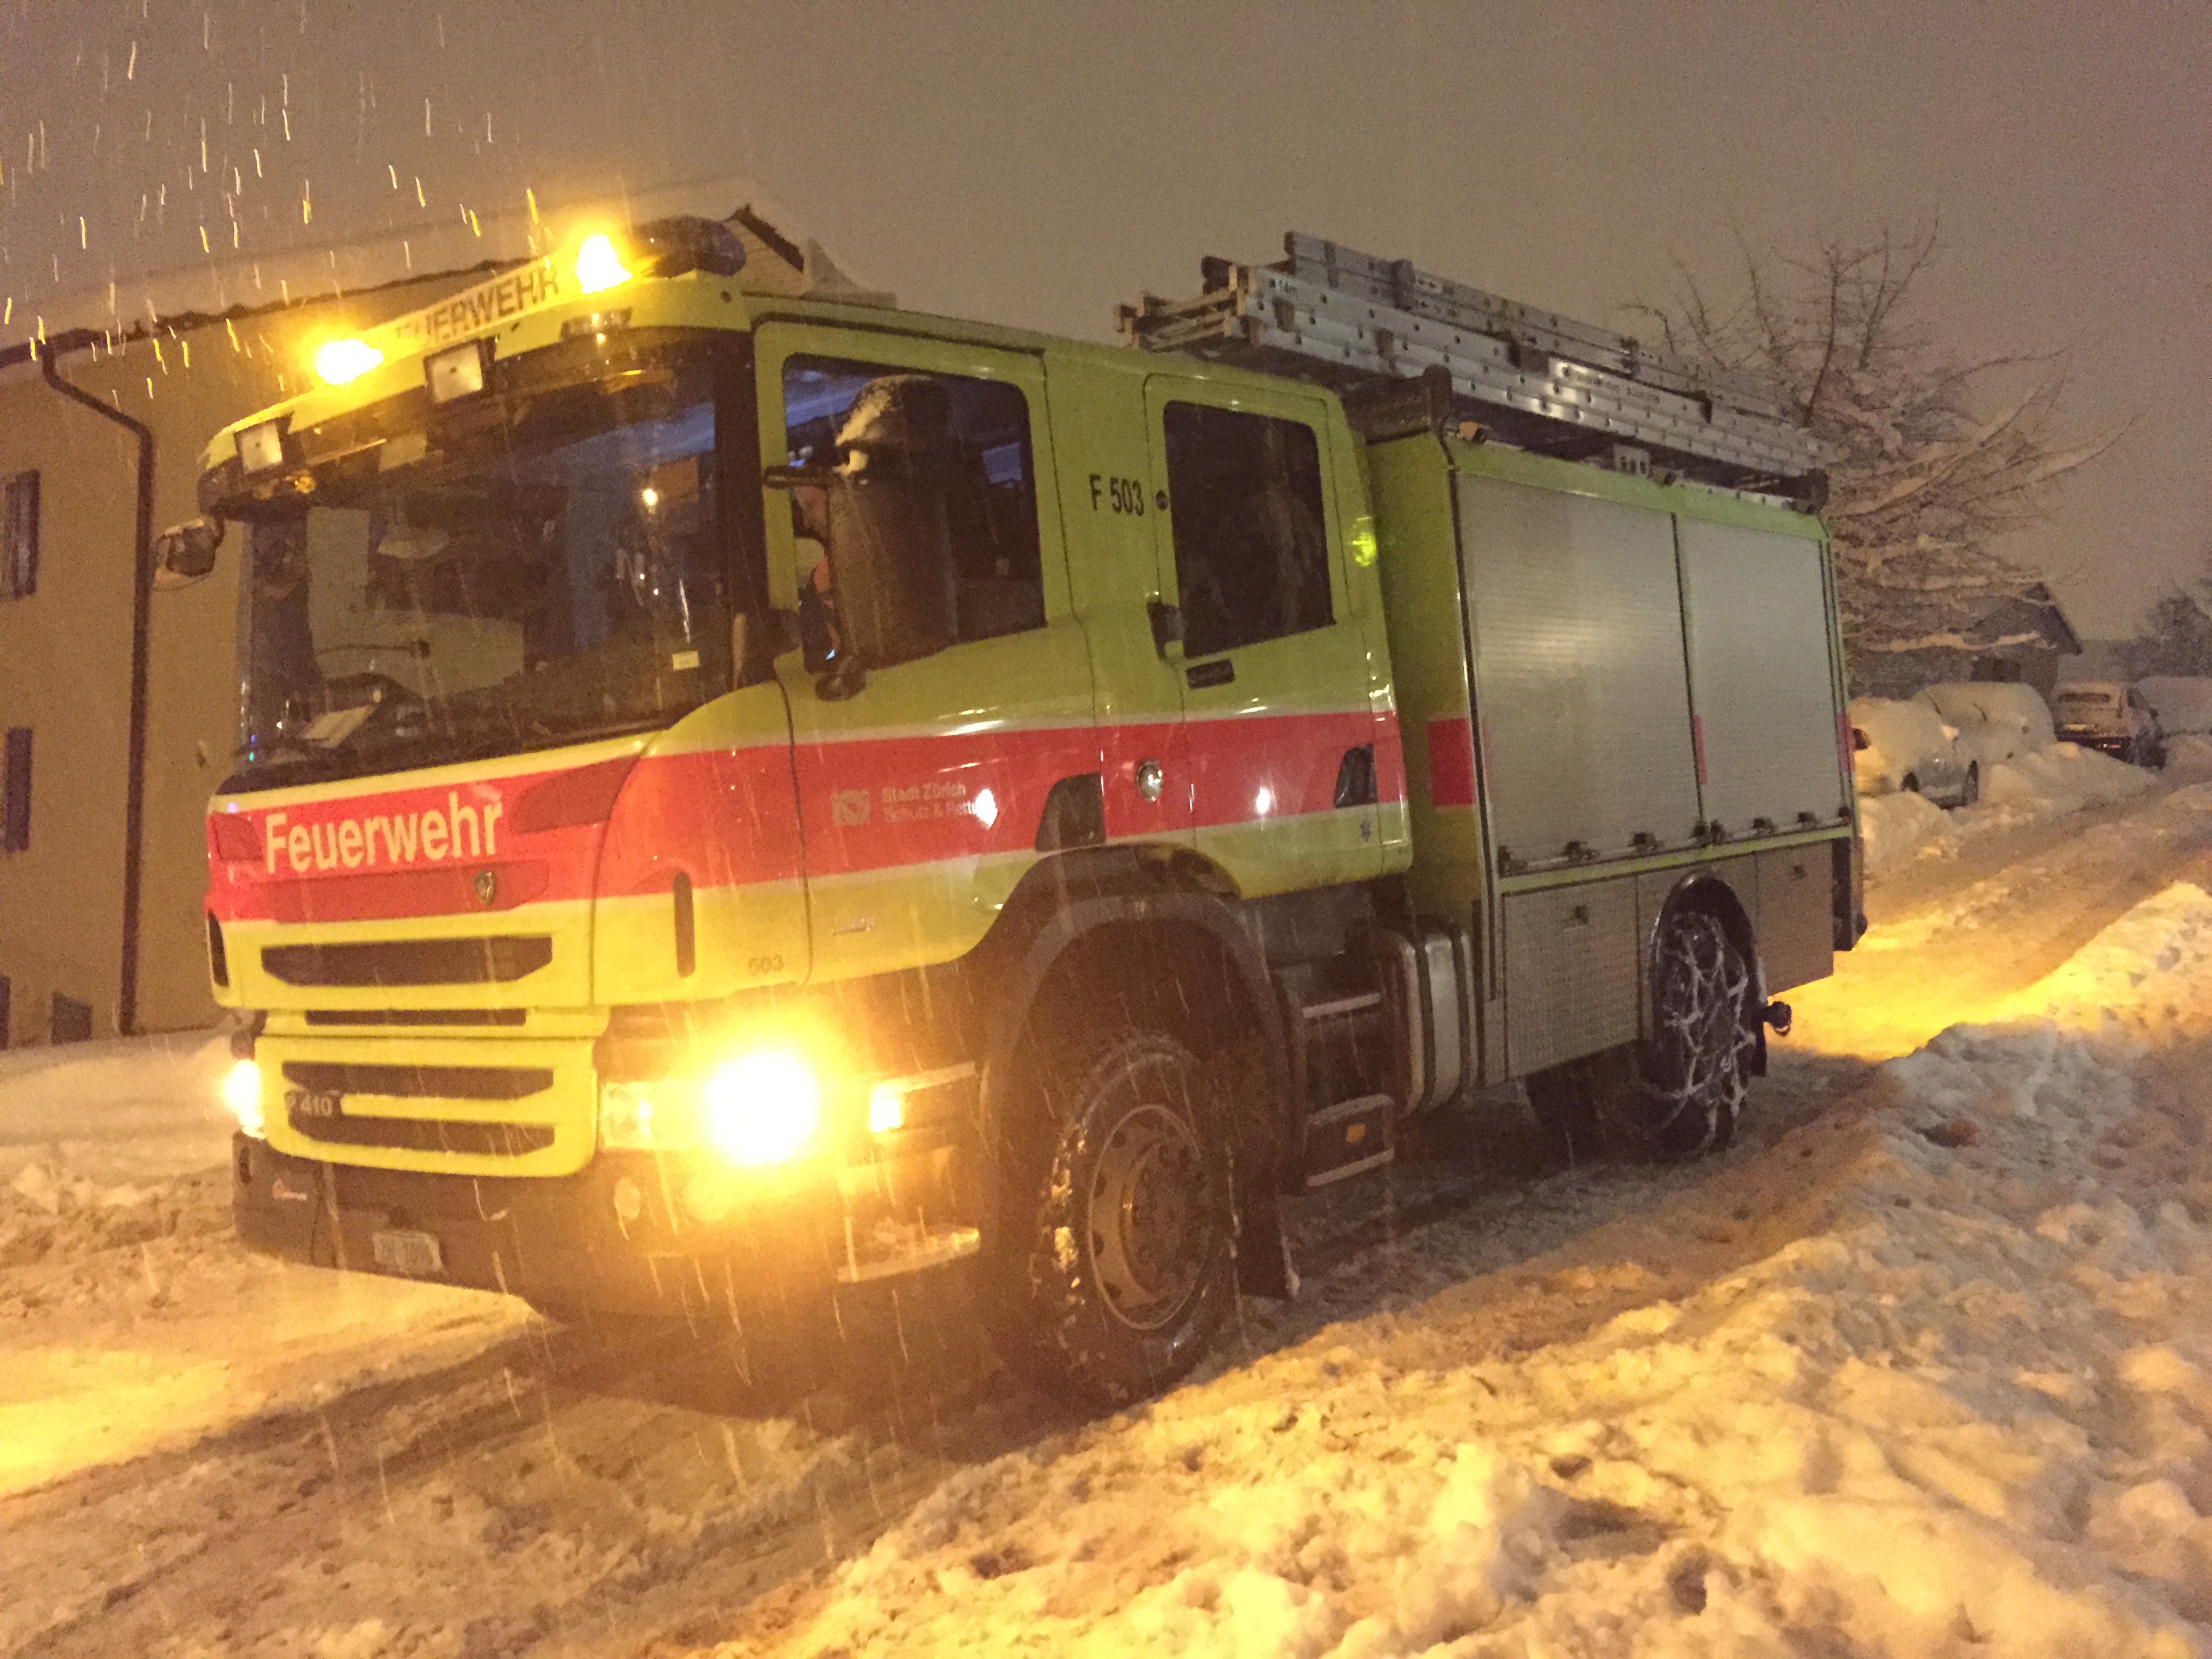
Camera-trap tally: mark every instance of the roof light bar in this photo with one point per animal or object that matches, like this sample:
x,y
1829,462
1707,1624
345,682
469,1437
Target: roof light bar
x,y
598,267
339,362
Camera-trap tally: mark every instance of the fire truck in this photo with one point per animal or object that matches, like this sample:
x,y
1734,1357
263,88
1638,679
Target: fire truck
x,y
738,792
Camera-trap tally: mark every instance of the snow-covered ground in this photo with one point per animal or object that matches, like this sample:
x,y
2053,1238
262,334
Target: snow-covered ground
x,y
1923,1365
130,1321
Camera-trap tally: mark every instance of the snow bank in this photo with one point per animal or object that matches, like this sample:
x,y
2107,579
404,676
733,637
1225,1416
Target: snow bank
x,y
1895,828
2182,701
2048,783
123,1286
2061,779
142,1110
1929,1376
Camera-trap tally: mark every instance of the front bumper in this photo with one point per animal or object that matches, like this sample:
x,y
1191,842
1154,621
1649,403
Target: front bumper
x,y
635,1233
2106,743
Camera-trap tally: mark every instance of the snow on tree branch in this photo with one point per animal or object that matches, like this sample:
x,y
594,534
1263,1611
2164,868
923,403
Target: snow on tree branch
x,y
1924,481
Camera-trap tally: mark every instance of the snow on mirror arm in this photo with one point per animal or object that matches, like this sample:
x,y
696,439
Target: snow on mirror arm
x,y
525,571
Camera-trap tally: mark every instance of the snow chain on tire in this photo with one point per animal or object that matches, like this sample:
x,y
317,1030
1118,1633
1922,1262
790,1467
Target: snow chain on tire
x,y
1691,1086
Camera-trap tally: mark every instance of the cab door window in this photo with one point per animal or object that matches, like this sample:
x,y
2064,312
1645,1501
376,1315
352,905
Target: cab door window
x,y
916,519
1251,546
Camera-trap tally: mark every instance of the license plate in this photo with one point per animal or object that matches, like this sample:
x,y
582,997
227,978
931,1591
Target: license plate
x,y
407,1253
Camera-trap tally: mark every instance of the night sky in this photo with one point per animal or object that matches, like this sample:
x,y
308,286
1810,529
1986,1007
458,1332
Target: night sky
x,y
1035,164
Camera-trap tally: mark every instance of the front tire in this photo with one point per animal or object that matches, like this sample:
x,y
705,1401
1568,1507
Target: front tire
x,y
1115,1262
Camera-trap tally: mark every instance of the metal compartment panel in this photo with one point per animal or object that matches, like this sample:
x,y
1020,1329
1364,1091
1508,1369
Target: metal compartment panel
x,y
1570,972
1796,925
1761,681
1581,696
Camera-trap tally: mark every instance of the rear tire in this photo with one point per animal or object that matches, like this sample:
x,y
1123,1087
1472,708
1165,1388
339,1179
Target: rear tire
x,y
1972,790
1912,784
1115,1260
1680,1094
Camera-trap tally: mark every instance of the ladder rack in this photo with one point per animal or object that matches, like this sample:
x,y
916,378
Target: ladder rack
x,y
1357,323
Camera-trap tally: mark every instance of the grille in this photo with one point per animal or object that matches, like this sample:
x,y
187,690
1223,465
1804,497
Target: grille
x,y
417,1134
409,962
419,1082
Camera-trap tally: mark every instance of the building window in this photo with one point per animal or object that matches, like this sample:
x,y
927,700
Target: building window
x,y
16,792
19,535
1251,545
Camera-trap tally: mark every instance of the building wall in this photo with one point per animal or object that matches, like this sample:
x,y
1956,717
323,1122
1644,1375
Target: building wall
x,y
65,673
65,659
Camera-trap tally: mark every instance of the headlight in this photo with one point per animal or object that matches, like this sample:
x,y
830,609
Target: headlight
x,y
241,1092
760,1109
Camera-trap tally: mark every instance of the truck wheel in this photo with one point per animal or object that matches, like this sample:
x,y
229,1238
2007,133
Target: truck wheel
x,y
1679,1095
1972,792
1116,1261
1912,784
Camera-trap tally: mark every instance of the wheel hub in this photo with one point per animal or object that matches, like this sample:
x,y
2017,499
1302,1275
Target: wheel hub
x,y
1148,1229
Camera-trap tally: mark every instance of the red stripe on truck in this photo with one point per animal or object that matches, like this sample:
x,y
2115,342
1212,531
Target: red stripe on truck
x,y
1451,762
725,818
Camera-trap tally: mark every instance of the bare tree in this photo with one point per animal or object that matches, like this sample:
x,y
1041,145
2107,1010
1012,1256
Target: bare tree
x,y
1923,482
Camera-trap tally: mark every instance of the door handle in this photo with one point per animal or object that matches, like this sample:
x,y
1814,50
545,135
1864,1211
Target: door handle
x,y
1167,624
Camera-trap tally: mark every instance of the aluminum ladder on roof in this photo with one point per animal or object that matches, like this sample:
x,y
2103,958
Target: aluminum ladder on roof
x,y
1351,320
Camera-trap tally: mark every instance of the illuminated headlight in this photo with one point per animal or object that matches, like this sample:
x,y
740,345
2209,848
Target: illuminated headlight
x,y
339,362
262,448
764,1108
241,1092
760,1108
458,371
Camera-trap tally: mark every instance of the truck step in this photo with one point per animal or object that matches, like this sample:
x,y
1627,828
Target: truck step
x,y
1349,1138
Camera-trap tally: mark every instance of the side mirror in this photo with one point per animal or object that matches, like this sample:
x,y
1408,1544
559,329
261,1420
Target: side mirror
x,y
184,553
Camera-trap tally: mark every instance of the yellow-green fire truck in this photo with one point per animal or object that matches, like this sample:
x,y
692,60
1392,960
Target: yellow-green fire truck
x,y
737,791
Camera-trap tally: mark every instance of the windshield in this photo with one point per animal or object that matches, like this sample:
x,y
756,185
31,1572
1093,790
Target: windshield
x,y
2088,700
528,570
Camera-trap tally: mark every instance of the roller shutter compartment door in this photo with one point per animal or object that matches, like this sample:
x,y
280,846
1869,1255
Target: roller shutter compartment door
x,y
1762,679
1580,699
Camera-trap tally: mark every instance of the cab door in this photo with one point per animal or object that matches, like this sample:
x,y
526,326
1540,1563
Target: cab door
x,y
940,693
1272,664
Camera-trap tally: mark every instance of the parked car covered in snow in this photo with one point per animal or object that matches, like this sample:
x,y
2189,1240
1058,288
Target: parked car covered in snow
x,y
1996,722
2183,703
2115,718
1907,746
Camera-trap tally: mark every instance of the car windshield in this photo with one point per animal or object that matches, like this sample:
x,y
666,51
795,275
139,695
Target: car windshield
x,y
2088,699
527,571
